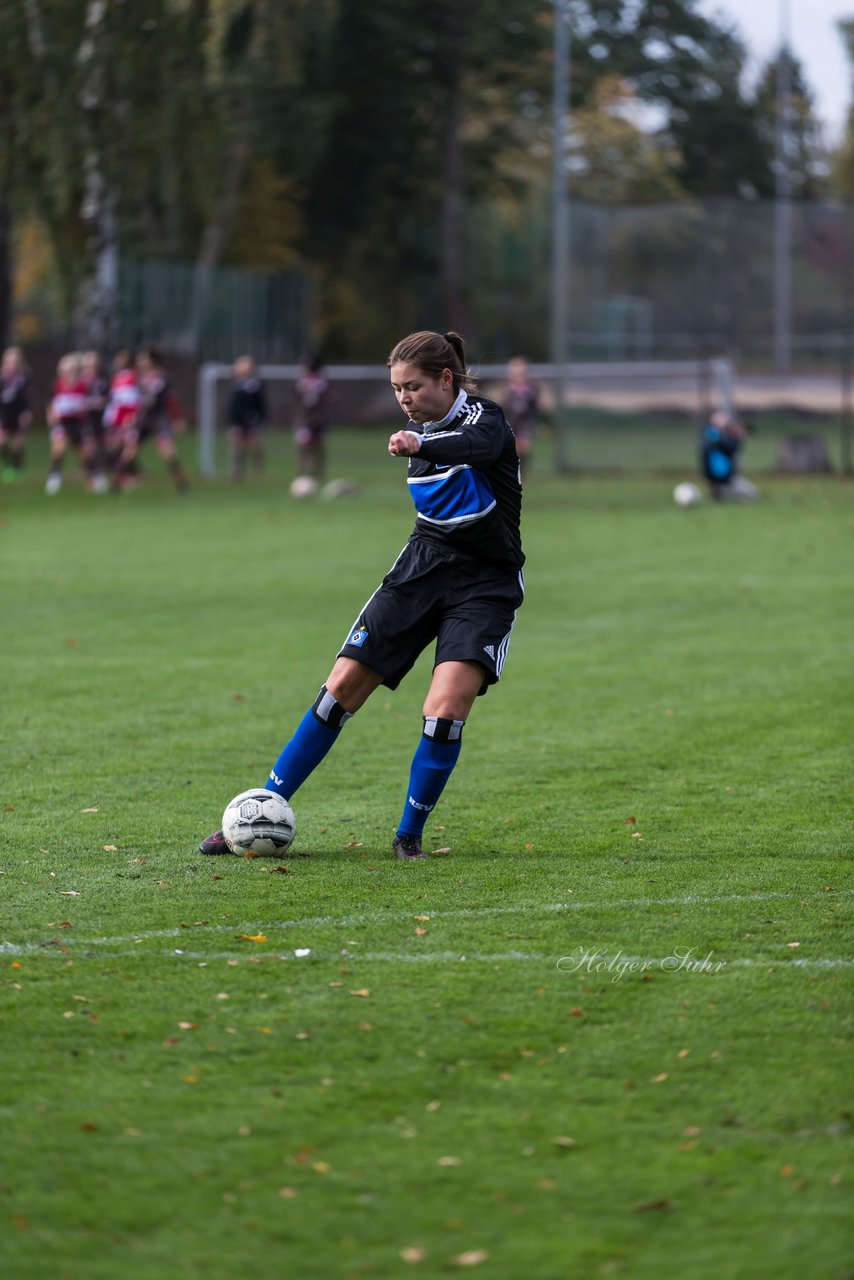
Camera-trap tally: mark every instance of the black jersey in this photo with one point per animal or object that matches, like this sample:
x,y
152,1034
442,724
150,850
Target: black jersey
x,y
465,482
14,401
248,404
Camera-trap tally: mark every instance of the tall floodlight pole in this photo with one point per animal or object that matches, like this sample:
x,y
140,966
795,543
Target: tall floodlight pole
x,y
560,229
783,204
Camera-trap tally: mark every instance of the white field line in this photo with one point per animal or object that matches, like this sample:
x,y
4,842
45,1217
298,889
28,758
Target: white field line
x,y
546,961
462,913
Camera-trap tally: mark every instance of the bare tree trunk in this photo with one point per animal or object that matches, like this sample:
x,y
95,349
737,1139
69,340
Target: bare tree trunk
x,y
221,222
452,223
215,240
96,312
457,314
6,286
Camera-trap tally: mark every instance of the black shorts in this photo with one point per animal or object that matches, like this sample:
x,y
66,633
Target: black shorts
x,y
77,433
434,593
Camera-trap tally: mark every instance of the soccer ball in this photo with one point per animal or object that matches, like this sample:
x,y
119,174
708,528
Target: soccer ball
x,y
340,489
304,487
687,495
259,822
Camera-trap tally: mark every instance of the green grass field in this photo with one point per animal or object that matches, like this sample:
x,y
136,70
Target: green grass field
x,y
601,1033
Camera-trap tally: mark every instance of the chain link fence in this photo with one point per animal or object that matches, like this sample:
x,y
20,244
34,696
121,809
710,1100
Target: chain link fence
x,y
663,282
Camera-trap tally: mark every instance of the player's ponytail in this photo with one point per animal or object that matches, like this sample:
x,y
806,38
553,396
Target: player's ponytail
x,y
432,352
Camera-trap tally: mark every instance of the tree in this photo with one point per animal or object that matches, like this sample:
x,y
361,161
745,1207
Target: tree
x,y
843,160
613,160
805,153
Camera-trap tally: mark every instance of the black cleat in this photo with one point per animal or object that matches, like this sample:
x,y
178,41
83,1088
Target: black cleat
x,y
408,848
214,844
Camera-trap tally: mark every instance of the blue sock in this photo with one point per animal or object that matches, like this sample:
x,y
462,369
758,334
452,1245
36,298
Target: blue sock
x,y
316,734
432,766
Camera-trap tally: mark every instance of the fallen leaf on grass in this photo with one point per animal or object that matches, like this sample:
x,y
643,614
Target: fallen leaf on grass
x,y
288,1193
565,1143
650,1205
662,1076
413,1254
111,848
787,1171
420,932
95,810
188,1026
252,937
437,853
449,1162
362,991
470,1258
69,893
422,918
320,1166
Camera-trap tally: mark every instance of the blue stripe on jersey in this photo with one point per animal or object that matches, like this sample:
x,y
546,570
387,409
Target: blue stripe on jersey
x,y
456,496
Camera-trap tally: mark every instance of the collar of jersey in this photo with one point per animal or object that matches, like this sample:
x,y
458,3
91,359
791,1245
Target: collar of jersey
x,y
456,408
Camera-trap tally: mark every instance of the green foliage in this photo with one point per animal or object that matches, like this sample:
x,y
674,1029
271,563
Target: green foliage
x,y
805,152
663,767
377,136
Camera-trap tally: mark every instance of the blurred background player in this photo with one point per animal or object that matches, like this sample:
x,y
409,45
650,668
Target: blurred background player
x,y
70,424
158,417
522,404
312,418
15,413
97,391
720,445
121,410
247,414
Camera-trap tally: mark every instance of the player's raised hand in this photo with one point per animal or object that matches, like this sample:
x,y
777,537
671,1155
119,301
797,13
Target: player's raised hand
x,y
403,444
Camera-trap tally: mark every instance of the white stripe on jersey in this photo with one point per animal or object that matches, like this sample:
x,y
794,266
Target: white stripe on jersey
x,y
444,524
439,435
440,476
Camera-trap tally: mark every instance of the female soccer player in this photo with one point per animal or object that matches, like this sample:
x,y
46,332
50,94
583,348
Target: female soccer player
x,y
158,416
15,413
68,418
522,404
247,414
457,581
312,419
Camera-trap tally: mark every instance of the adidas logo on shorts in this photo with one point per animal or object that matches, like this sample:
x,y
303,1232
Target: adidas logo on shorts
x,y
490,649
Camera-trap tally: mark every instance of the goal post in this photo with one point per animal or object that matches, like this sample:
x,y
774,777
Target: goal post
x,y
698,385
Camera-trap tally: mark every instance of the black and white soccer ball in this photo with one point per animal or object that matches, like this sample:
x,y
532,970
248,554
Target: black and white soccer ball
x,y
259,823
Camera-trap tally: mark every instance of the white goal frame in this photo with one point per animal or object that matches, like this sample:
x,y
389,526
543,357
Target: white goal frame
x,y
715,376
